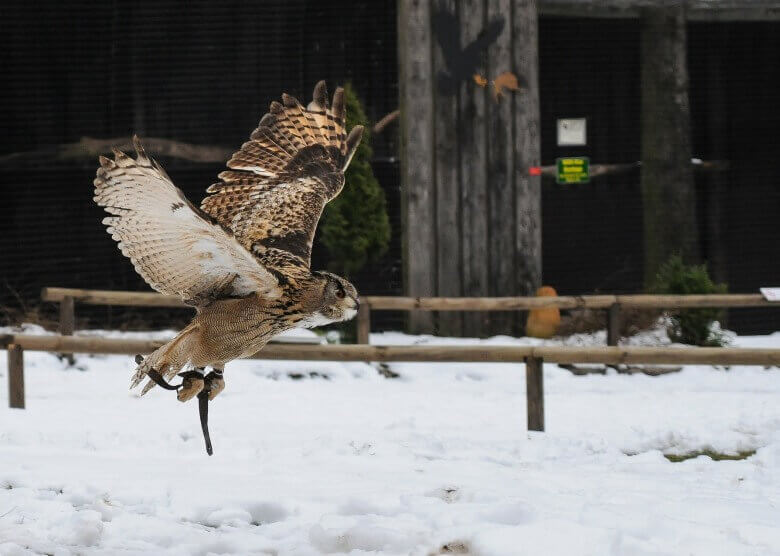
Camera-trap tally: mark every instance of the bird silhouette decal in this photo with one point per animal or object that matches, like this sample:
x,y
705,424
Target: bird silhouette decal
x,y
461,62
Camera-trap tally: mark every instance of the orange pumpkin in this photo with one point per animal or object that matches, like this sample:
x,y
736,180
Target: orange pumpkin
x,y
543,322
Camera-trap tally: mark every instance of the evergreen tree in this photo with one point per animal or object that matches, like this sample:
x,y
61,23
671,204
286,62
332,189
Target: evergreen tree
x,y
355,228
690,326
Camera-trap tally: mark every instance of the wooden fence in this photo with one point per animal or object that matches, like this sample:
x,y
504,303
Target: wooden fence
x,y
532,356
67,297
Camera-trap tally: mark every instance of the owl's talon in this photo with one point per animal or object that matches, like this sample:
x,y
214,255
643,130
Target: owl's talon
x,y
192,385
215,383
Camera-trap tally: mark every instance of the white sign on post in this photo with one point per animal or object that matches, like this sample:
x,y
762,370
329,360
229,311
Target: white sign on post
x,y
771,294
572,132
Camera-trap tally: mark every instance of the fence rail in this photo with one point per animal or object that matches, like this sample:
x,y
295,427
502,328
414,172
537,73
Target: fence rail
x,y
393,303
67,297
532,356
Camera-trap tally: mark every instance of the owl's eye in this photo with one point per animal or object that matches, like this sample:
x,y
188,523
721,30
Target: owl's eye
x,y
340,293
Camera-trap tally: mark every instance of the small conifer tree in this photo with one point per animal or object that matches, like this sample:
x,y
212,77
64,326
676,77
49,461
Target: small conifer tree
x,y
355,228
690,326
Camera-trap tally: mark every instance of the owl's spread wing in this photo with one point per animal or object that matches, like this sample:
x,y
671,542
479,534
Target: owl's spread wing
x,y
277,185
172,244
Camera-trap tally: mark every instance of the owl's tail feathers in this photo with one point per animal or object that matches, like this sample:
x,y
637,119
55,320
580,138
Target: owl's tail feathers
x,y
167,360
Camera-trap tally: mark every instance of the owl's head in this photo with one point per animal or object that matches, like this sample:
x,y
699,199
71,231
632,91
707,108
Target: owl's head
x,y
338,301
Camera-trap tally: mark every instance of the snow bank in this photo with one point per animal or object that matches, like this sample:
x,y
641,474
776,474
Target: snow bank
x,y
437,461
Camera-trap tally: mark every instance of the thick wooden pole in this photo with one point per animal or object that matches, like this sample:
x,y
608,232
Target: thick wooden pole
x,y
472,135
417,154
500,171
534,392
448,222
527,149
668,193
15,376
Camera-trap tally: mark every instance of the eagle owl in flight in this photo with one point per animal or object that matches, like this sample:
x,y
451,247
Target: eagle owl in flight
x,y
243,258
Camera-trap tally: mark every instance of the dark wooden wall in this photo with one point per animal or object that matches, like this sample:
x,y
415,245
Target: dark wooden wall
x,y
472,212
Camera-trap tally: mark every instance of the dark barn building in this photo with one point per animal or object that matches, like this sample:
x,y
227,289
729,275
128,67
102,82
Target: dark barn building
x,y
205,74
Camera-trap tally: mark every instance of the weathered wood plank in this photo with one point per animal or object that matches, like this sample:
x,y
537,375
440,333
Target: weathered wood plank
x,y
472,135
527,149
500,171
15,376
448,254
417,155
534,393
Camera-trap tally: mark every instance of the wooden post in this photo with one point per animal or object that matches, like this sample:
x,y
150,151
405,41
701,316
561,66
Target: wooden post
x,y
67,316
534,392
364,323
415,82
15,376
613,324
68,321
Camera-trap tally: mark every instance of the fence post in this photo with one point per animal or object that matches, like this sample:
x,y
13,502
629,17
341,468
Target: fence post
x,y
613,324
363,323
15,376
68,322
534,392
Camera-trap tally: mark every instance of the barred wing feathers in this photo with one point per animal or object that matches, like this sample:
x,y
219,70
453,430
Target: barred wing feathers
x,y
172,244
278,183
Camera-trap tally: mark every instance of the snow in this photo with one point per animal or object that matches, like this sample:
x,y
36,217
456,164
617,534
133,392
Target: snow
x,y
437,461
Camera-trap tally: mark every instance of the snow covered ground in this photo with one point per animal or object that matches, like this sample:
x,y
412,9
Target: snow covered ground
x,y
437,461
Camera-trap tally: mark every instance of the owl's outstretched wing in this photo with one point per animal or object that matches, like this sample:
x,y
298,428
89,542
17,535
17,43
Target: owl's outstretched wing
x,y
277,185
176,248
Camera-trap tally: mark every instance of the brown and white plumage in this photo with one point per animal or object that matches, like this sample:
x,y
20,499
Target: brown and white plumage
x,y
243,258
277,185
172,245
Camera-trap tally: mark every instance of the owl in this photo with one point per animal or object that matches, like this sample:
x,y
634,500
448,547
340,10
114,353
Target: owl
x,y
242,259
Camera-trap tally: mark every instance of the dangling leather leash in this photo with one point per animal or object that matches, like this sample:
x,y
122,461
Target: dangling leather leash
x,y
203,398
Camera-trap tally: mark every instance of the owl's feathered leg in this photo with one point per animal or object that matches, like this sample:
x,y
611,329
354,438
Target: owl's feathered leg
x,y
168,359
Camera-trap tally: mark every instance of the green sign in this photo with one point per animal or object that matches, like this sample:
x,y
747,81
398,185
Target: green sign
x,y
574,169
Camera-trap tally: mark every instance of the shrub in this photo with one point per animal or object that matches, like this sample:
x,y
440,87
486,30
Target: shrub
x,y
355,228
690,326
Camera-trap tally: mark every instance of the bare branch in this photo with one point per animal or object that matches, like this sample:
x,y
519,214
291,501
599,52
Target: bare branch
x,y
89,148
